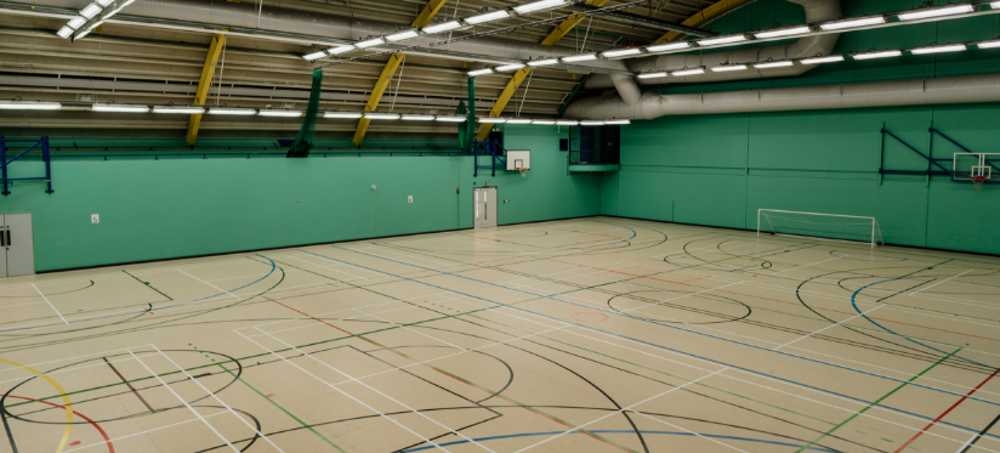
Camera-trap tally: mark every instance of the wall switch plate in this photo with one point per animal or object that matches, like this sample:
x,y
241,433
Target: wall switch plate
x,y
409,199
95,218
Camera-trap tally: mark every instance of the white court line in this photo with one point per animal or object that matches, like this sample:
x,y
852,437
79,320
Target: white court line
x,y
628,408
940,282
209,425
827,327
116,439
50,303
209,284
342,392
692,432
214,395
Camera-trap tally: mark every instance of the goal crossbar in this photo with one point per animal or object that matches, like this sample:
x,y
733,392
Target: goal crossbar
x,y
820,225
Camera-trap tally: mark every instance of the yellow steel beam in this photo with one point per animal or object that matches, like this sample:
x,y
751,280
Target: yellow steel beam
x,y
554,36
432,8
376,97
706,15
204,84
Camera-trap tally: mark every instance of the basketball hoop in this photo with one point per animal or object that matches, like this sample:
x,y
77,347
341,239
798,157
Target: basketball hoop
x,y
524,172
977,182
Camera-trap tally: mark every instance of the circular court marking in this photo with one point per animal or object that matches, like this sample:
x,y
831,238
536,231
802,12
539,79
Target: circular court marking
x,y
589,316
679,307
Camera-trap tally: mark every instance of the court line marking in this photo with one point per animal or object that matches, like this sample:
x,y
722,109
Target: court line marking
x,y
216,397
167,386
940,282
82,447
50,303
342,392
692,432
67,404
209,284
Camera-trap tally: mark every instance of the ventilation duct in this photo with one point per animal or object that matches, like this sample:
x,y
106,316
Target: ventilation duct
x,y
816,11
950,90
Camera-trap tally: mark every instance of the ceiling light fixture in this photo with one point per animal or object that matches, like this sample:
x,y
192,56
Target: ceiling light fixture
x,y
783,32
989,44
342,115
90,10
652,75
621,53
370,43
773,64
722,40
853,23
232,112
567,123
382,116
115,108
178,110
488,17
518,121
819,60
452,119
936,12
550,61
732,68
510,67
877,55
409,34
538,6
480,72
314,56
668,47
21,105
447,26
938,49
591,123
617,122
65,32
543,122
492,120
76,22
576,58
340,50
281,113
688,72
418,117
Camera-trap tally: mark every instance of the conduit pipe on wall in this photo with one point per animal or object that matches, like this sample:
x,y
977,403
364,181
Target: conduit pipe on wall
x,y
816,11
950,90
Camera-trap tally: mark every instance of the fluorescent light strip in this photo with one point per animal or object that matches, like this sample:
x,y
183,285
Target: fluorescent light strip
x,y
621,53
7,105
518,121
876,55
819,60
989,44
617,122
104,3
784,32
937,12
732,68
538,6
314,56
418,117
342,115
232,112
652,75
863,22
543,122
447,26
401,36
548,62
370,43
76,22
510,67
90,10
179,110
668,47
382,116
488,17
452,119
567,123
775,64
723,40
687,72
340,50
591,123
492,120
65,32
938,49
995,5
576,58
115,108
281,113
480,72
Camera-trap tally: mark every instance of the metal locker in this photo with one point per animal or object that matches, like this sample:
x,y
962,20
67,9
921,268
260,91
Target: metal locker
x,y
18,245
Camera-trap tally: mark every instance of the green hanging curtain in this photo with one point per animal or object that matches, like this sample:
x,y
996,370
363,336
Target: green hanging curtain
x,y
303,142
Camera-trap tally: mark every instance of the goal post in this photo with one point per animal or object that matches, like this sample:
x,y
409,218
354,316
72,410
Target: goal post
x,y
819,225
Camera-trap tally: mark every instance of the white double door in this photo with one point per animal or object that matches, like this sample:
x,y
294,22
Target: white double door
x,y
486,207
18,254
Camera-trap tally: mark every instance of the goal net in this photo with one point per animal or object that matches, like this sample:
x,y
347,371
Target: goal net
x,y
816,225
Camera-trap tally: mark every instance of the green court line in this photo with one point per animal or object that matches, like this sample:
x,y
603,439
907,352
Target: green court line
x,y
661,372
874,403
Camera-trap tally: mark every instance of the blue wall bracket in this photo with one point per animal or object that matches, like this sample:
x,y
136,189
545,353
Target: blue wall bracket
x,y
494,150
32,145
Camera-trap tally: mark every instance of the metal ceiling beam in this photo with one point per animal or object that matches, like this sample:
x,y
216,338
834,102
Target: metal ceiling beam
x,y
712,12
204,84
635,19
430,9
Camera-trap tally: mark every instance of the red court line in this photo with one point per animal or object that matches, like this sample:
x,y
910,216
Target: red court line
x,y
107,440
530,409
151,410
953,406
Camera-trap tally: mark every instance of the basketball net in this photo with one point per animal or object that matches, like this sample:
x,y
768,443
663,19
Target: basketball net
x,y
977,182
524,172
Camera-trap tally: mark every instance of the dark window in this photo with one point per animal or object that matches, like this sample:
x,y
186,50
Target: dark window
x,y
594,144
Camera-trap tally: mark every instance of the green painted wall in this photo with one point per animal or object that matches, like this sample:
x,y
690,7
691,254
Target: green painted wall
x,y
169,208
719,170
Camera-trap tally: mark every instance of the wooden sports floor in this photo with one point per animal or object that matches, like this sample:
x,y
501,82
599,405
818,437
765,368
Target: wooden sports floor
x,y
584,335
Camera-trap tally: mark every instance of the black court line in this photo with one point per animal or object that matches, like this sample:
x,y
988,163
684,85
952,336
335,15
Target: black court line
x,y
147,285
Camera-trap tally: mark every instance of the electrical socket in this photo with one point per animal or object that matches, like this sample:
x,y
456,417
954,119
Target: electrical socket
x,y
95,218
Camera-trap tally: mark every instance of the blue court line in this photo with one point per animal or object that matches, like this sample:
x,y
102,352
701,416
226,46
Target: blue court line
x,y
623,431
634,234
855,305
273,267
685,353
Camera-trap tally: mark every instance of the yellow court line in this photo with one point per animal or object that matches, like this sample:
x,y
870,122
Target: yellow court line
x,y
66,402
